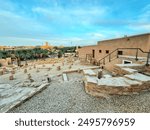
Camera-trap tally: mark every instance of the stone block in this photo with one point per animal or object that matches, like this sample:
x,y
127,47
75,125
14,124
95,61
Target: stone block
x,y
34,66
65,78
99,75
1,72
58,68
89,72
11,77
70,67
25,71
12,72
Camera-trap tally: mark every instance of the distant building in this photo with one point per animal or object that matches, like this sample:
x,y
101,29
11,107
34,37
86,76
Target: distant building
x,y
23,47
47,46
3,48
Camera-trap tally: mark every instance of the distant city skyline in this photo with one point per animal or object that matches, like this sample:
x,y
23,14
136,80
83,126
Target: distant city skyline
x,y
70,22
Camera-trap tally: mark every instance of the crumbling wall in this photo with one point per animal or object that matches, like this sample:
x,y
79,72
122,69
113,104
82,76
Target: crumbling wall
x,y
3,62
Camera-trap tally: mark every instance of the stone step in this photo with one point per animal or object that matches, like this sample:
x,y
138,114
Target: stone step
x,y
89,72
129,65
129,70
91,79
138,77
117,82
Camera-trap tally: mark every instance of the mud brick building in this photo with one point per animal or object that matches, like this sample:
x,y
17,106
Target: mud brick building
x,y
134,46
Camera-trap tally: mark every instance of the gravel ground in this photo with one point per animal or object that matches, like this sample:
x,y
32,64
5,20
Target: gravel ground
x,y
70,97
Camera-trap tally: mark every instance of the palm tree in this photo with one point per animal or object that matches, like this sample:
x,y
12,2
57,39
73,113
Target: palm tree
x,y
18,57
1,55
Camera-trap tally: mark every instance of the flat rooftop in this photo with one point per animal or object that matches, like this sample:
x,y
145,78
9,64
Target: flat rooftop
x,y
124,37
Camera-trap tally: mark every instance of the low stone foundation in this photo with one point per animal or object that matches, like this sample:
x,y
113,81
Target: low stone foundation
x,y
115,86
103,91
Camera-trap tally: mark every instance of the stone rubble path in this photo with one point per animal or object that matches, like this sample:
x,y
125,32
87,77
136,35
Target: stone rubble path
x,y
70,97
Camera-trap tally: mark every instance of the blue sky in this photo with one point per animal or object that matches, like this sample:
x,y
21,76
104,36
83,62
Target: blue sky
x,y
71,22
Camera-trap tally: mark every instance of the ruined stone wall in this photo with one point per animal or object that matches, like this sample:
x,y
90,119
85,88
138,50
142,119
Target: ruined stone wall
x,y
9,60
4,62
104,91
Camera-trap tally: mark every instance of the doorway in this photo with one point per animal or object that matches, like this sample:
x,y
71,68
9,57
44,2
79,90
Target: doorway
x,y
93,53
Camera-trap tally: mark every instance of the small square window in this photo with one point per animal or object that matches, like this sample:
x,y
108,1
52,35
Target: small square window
x,y
120,52
100,51
107,51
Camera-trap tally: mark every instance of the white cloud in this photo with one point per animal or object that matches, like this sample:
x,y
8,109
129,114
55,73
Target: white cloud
x,y
12,24
145,14
72,15
142,22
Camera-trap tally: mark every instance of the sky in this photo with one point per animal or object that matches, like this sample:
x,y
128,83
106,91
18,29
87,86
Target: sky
x,y
71,22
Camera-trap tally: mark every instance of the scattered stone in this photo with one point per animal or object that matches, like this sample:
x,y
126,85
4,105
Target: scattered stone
x,y
12,72
48,79
58,68
37,70
46,75
29,76
25,84
100,73
79,70
4,70
49,69
65,78
43,79
25,71
31,80
1,72
11,77
70,67
35,84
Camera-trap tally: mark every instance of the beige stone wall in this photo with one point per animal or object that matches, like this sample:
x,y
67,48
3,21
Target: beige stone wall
x,y
9,60
148,46
139,41
3,62
109,65
86,50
